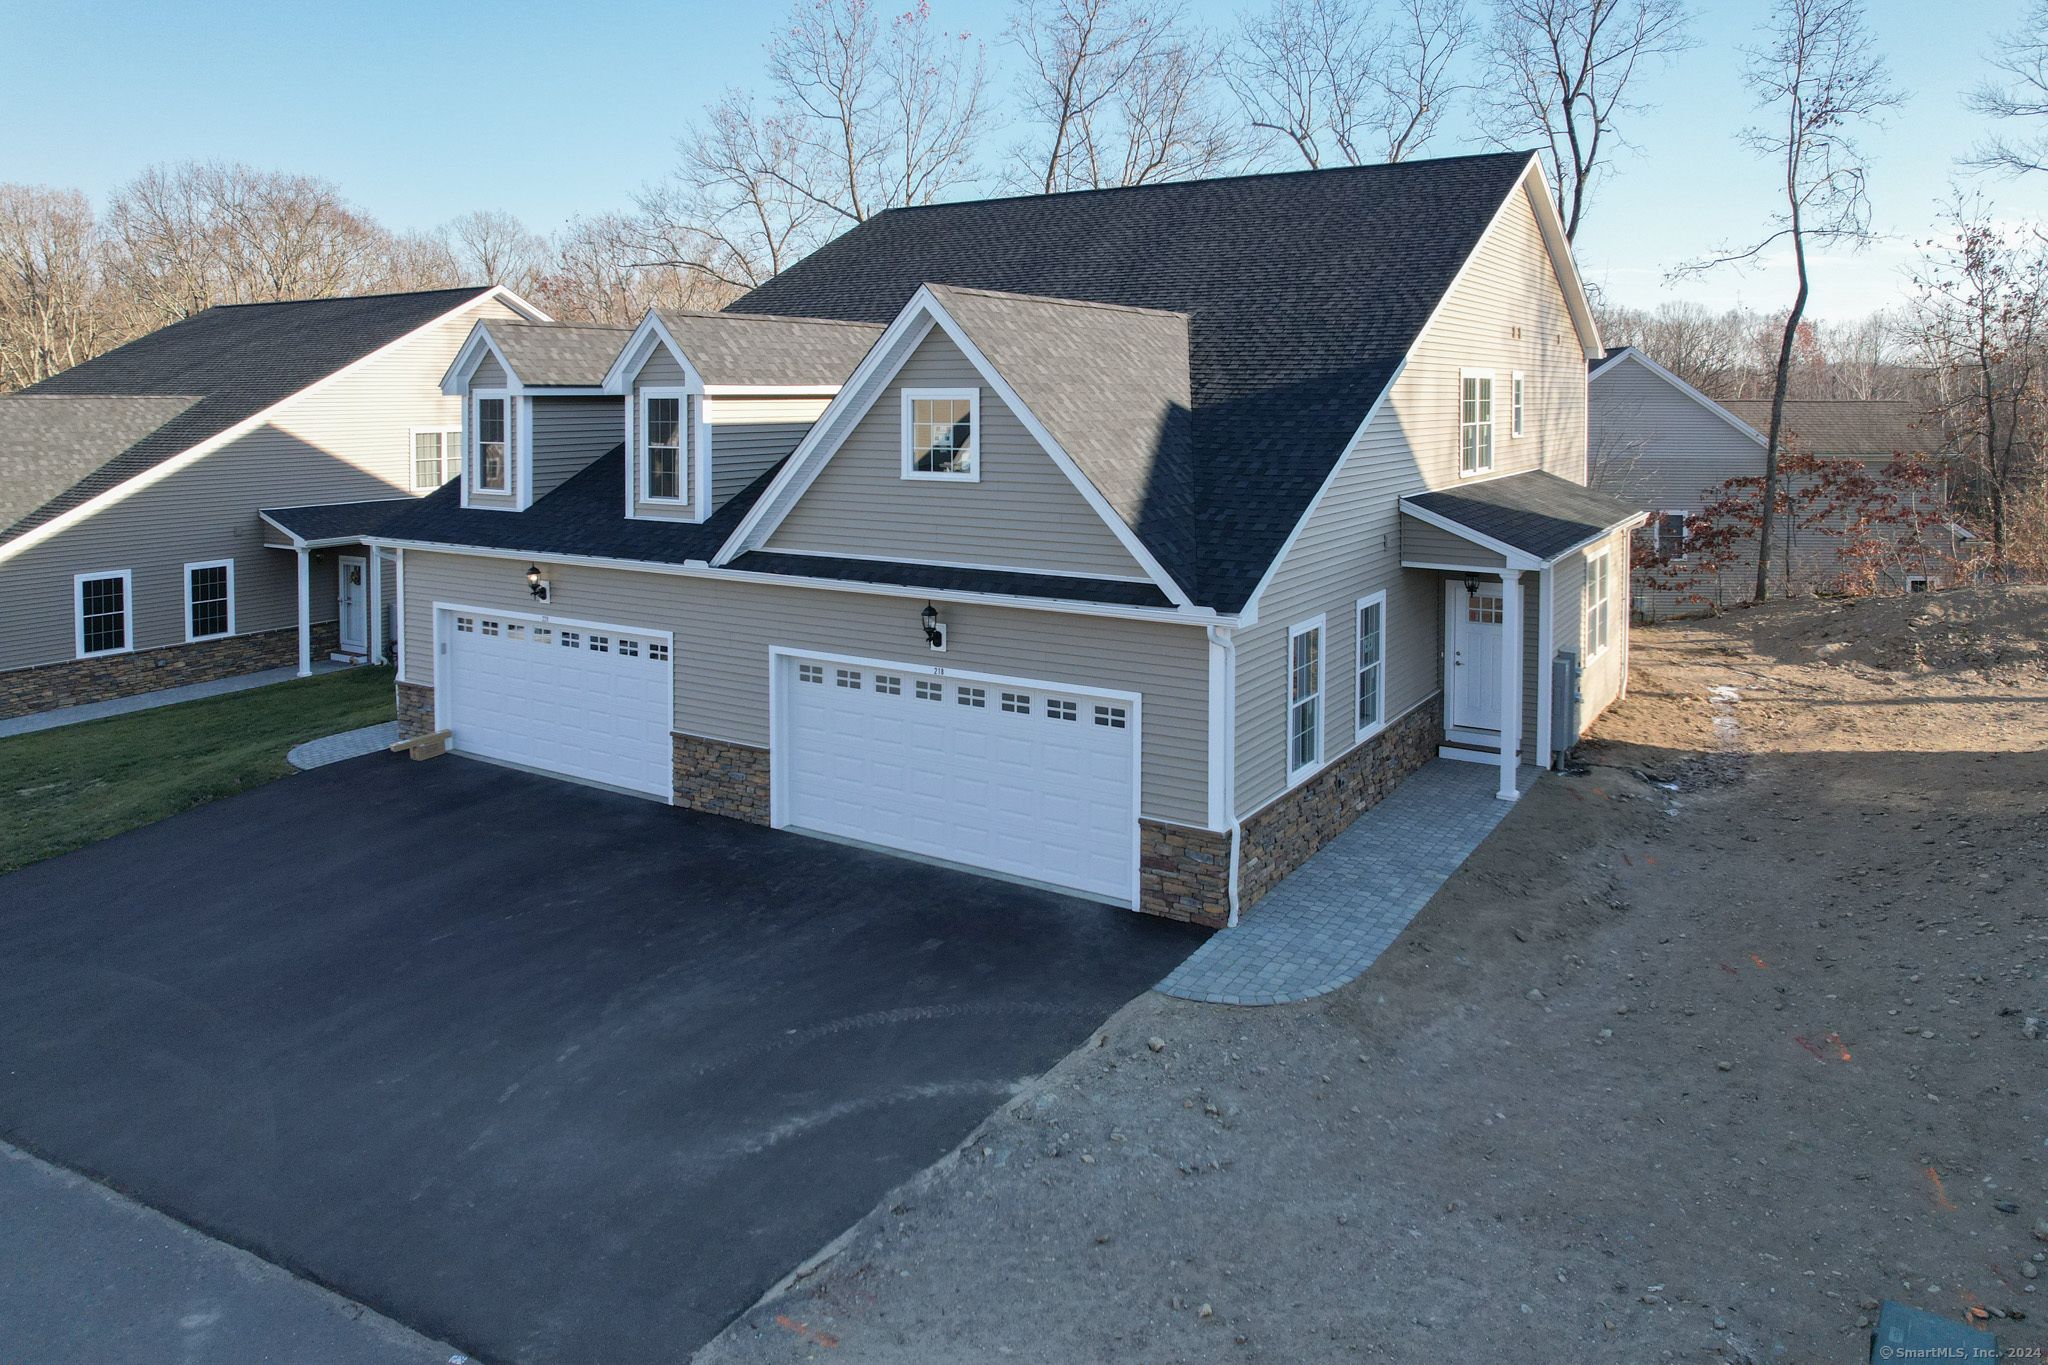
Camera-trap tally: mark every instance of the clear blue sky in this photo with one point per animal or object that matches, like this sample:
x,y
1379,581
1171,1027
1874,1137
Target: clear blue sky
x,y
424,110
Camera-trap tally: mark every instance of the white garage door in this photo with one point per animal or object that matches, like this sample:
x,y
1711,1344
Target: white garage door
x,y
587,701
1017,777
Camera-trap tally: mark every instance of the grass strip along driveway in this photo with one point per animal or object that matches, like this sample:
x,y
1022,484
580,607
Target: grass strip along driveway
x,y
75,785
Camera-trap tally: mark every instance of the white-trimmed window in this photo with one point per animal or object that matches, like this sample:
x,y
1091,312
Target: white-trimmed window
x,y
1518,399
1305,696
1670,534
1475,422
1372,664
664,466
436,455
209,600
942,434
1599,604
493,426
102,602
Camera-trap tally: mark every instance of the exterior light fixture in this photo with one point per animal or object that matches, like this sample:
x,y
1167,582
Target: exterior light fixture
x,y
934,632
535,584
1471,585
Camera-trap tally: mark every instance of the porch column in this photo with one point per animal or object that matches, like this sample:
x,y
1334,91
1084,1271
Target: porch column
x,y
1510,679
376,605
305,612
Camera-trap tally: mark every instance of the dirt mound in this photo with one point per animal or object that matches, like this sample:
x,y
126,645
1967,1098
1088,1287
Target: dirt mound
x,y
1985,628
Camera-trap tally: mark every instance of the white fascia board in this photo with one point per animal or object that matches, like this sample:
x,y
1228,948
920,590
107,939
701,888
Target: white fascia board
x,y
517,304
1630,353
1536,184
156,474
648,335
697,568
1516,559
824,441
481,343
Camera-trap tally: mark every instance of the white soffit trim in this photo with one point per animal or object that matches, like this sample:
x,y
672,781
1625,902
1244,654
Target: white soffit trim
x,y
811,457
1630,353
156,474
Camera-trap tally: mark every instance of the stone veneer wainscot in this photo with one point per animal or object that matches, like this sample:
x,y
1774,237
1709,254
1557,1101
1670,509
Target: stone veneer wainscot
x,y
1290,831
721,778
415,710
1184,873
25,691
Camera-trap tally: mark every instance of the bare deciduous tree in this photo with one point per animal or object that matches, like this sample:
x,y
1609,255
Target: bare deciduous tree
x,y
54,310
1562,72
2021,97
594,273
490,246
1821,78
1118,93
414,260
1341,86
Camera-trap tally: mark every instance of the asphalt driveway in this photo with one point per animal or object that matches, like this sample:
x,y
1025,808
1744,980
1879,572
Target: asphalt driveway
x,y
546,1072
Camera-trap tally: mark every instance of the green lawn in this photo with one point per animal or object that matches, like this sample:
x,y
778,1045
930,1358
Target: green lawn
x,y
61,789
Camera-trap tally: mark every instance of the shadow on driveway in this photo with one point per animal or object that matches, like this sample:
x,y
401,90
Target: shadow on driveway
x,y
551,1073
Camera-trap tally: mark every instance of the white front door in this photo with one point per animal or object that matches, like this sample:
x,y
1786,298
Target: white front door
x,y
355,611
586,701
1019,777
1474,632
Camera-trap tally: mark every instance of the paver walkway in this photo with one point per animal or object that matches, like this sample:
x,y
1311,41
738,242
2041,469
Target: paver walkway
x,y
167,696
315,753
1323,926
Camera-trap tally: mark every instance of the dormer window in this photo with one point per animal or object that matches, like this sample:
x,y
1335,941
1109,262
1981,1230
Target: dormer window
x,y
661,447
941,434
493,463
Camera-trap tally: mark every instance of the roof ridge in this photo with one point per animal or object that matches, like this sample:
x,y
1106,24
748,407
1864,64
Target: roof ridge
x,y
471,289
765,317
1061,302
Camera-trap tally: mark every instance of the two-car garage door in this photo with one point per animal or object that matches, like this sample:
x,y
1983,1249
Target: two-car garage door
x,y
1013,776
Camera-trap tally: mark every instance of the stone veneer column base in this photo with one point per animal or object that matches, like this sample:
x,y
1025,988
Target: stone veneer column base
x,y
415,710
1184,873
721,778
46,687
1286,834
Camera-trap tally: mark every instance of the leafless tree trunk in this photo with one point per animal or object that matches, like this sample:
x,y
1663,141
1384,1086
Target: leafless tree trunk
x,y
1315,72
53,306
1821,78
1117,92
1561,72
594,273
490,246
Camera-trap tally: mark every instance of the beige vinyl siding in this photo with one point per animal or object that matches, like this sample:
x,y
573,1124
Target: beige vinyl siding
x,y
349,441
1023,514
489,374
569,433
1351,545
1433,545
724,629
1532,661
750,436
1602,682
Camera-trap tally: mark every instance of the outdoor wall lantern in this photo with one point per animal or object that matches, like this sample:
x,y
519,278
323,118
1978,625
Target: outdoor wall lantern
x,y
934,632
1472,585
535,584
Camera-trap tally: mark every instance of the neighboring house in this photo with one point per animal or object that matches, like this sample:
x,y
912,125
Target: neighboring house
x,y
1659,443
1119,541
133,556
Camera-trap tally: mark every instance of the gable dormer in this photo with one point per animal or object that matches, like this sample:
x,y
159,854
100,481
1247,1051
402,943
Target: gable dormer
x,y
535,409
715,400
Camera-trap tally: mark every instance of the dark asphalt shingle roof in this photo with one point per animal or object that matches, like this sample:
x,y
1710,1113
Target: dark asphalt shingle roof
x,y
230,363
559,354
1537,513
1845,426
335,520
1303,291
731,348
48,442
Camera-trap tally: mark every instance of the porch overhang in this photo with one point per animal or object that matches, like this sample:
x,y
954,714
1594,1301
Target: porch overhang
x,y
324,525
1517,523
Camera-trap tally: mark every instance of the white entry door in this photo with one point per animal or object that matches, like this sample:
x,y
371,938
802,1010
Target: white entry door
x,y
587,701
1019,777
1474,631
355,605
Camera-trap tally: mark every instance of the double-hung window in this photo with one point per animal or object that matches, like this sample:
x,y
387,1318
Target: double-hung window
x,y
1475,423
663,476
941,434
493,444
1305,696
1599,604
209,599
1671,534
436,456
102,601
1518,397
1372,663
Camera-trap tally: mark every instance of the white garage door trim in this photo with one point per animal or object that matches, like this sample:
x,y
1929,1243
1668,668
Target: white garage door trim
x,y
781,664
447,717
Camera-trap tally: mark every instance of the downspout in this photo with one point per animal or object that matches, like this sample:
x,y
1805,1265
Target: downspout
x,y
1223,638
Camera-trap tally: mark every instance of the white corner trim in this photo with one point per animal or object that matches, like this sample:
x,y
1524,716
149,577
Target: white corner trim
x,y
156,474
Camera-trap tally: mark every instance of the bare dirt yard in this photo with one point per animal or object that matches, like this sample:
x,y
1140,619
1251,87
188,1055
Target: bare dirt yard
x,y
1712,1045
